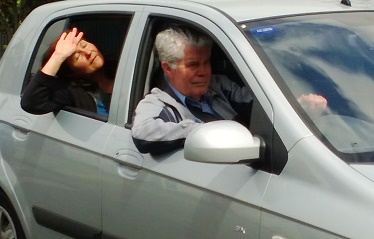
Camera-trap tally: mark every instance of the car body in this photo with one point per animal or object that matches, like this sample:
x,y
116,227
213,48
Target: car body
x,y
74,174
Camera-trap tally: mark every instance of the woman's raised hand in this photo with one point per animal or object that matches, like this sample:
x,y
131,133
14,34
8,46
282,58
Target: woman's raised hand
x,y
67,43
65,47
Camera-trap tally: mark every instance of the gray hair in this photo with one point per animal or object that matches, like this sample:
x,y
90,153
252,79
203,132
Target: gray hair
x,y
170,43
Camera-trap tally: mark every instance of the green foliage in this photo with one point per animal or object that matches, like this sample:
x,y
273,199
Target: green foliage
x,y
12,12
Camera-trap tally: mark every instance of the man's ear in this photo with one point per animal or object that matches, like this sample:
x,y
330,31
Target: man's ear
x,y
166,68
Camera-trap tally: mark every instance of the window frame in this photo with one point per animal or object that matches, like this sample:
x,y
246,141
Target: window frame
x,y
274,145
69,21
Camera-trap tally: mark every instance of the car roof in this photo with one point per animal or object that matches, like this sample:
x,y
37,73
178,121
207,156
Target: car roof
x,y
242,10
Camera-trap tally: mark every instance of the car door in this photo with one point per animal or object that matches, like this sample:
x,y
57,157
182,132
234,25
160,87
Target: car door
x,y
56,157
167,196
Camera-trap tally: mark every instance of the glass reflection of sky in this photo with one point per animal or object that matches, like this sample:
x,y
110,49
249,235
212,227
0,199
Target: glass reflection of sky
x,y
329,58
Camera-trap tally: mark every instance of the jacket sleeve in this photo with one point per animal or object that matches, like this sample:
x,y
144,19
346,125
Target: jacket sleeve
x,y
238,97
45,94
240,100
158,127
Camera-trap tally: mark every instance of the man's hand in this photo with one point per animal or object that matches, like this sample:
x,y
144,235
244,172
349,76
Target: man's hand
x,y
313,104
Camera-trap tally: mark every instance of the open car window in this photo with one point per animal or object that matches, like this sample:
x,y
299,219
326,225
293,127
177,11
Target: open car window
x,y
106,31
149,74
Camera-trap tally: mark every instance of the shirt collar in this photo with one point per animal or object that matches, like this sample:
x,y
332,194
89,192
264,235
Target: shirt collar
x,y
184,98
203,104
180,96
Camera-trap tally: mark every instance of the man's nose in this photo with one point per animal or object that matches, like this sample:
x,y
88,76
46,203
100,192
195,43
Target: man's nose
x,y
204,69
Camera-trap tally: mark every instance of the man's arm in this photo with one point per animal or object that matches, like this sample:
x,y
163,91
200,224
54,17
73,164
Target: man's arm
x,y
238,98
159,127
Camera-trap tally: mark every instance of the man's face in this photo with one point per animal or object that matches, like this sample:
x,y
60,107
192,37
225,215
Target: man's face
x,y
192,74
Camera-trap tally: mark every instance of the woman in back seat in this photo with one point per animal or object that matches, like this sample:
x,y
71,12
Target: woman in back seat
x,y
73,75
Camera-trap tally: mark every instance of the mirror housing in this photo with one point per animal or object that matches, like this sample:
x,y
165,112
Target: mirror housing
x,y
222,141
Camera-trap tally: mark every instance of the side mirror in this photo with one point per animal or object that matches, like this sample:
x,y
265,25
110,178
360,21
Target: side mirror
x,y
222,141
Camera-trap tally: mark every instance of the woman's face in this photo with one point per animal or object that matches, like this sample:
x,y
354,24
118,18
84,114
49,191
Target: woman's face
x,y
86,59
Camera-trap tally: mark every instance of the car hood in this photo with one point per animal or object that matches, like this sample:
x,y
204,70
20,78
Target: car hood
x,y
366,170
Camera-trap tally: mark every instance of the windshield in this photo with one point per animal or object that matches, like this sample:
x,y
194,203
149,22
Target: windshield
x,y
331,55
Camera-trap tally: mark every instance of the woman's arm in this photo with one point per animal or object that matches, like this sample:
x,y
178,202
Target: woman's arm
x,y
45,94
65,47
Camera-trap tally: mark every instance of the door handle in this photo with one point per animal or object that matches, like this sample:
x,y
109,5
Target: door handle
x,y
129,162
19,134
20,123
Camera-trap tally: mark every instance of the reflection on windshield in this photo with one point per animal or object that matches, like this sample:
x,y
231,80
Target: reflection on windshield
x,y
333,56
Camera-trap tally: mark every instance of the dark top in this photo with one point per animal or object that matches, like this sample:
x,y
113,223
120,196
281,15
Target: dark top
x,y
46,94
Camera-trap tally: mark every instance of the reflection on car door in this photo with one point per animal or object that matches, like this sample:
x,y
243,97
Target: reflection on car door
x,y
61,174
170,197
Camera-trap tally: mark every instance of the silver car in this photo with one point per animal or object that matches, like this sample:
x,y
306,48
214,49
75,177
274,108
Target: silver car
x,y
75,174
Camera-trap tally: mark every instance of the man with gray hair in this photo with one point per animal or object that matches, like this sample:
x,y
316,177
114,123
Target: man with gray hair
x,y
191,95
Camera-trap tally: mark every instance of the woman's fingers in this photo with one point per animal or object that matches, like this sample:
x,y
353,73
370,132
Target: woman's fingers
x,y
79,37
68,43
63,35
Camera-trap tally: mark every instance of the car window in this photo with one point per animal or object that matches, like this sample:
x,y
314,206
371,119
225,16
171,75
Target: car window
x,y
330,55
107,32
149,74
